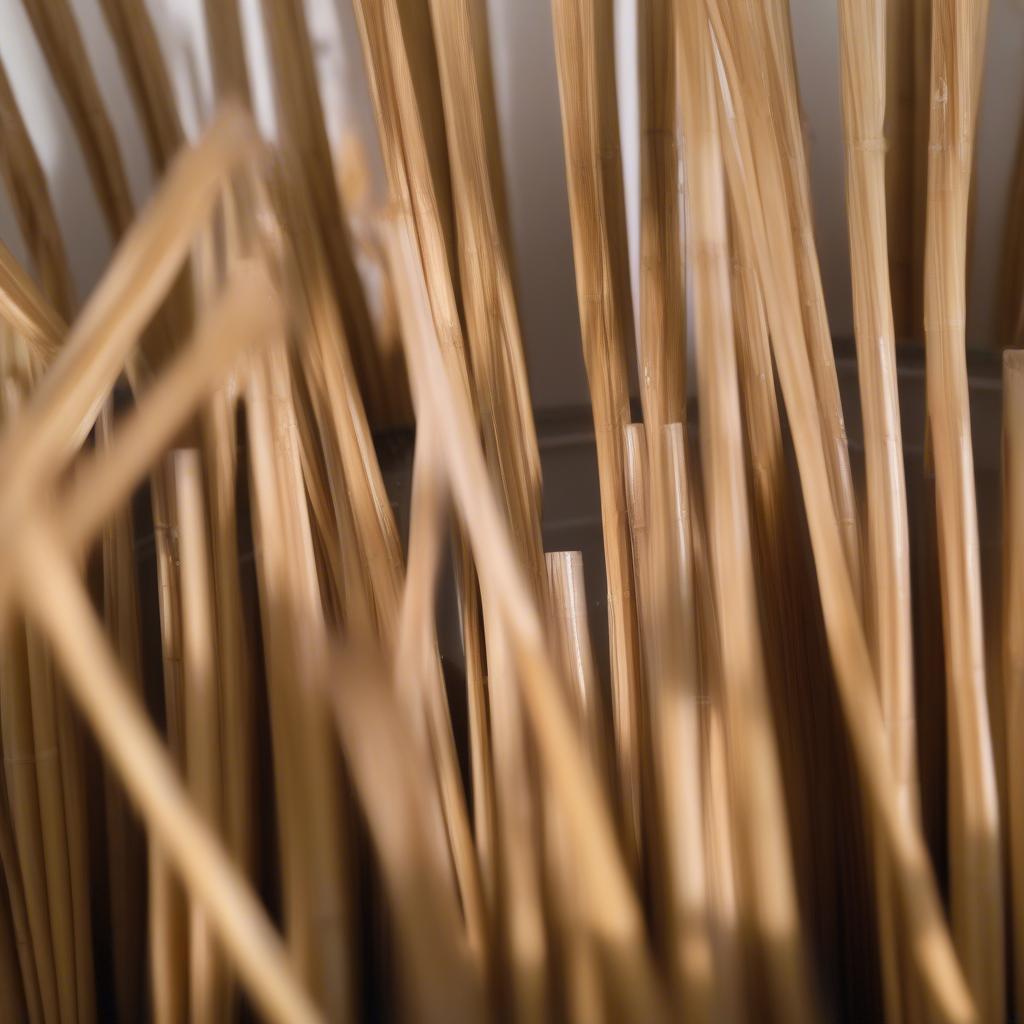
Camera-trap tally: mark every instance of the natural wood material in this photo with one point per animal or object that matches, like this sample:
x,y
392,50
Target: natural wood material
x,y
227,51
568,598
103,694
764,216
303,132
901,158
863,69
33,207
772,28
135,37
202,725
613,918
352,465
763,848
887,600
678,746
661,334
440,974
974,826
61,42
26,312
316,887
501,388
590,128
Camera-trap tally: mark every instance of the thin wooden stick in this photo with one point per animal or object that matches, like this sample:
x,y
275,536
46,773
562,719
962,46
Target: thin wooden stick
x,y
20,775
676,732
517,884
764,217
303,132
568,597
126,840
243,317
227,51
49,782
26,183
975,869
495,345
863,67
142,59
12,995
502,400
61,412
417,662
862,39
55,600
19,912
234,662
613,917
637,475
661,337
578,964
586,82
202,717
351,459
922,49
775,35
25,311
316,883
570,638
61,42
765,859
901,159
441,975
398,48
33,771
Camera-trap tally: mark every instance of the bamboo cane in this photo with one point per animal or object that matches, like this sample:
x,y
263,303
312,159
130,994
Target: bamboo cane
x,y
591,136
974,840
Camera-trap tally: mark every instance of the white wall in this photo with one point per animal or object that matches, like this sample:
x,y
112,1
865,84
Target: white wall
x,y
531,131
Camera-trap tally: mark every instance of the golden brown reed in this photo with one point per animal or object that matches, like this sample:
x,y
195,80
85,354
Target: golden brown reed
x,y
661,356
763,216
701,856
764,857
590,129
26,184
974,826
887,596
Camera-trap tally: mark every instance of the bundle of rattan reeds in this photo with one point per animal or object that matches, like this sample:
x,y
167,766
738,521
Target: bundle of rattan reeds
x,y
234,780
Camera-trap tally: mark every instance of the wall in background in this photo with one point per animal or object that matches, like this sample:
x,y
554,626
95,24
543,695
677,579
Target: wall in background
x,y
530,123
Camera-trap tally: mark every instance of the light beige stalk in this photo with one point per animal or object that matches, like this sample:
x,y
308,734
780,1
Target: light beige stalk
x,y
661,336
763,216
765,865
303,132
26,183
974,826
590,129
862,40
613,912
774,33
202,716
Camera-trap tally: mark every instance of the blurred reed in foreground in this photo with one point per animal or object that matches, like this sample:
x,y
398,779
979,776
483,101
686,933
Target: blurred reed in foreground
x,y
237,777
